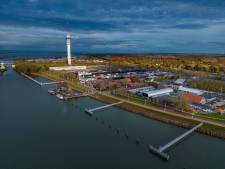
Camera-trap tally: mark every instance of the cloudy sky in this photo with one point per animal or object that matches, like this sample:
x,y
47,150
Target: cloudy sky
x,y
137,26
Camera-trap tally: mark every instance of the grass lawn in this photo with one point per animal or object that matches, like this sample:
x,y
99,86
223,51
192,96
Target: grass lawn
x,y
213,116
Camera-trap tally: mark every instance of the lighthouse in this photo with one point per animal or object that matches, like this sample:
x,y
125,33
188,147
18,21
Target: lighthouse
x,y
68,43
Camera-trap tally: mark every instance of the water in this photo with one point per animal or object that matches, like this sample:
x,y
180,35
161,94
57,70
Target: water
x,y
39,131
12,55
6,55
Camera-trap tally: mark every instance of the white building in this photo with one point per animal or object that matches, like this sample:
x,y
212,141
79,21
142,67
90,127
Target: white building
x,y
68,68
84,73
179,81
191,90
157,93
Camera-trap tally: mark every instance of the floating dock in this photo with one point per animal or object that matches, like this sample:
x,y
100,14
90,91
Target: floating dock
x,y
160,151
91,111
63,96
76,96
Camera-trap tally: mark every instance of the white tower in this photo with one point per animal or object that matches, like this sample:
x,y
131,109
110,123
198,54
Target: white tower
x,y
68,42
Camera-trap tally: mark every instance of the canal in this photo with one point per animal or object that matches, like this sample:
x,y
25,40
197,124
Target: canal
x,y
39,131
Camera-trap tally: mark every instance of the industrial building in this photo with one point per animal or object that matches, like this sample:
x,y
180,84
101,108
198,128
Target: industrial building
x,y
141,90
191,90
157,93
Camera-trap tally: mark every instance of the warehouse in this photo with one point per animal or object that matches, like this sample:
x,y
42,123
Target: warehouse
x,y
157,93
191,90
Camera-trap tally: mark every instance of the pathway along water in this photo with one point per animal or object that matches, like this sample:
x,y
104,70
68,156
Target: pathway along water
x,y
39,131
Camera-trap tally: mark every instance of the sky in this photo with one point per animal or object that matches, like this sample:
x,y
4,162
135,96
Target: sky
x,y
114,26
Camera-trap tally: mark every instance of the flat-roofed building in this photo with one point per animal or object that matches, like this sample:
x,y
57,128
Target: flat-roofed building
x,y
68,68
191,90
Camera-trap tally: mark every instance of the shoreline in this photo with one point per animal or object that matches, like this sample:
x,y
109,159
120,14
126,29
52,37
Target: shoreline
x,y
165,118
207,129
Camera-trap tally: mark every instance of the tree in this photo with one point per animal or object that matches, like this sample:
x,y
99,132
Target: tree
x,y
182,105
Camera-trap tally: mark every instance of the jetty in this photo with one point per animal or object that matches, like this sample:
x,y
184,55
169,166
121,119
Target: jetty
x,y
91,111
160,151
40,83
51,83
32,79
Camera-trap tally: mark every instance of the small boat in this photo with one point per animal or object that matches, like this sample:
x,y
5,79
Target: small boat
x,y
2,67
60,96
52,92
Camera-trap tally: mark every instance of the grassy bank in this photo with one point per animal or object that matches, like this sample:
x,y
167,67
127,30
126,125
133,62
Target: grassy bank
x,y
139,109
160,116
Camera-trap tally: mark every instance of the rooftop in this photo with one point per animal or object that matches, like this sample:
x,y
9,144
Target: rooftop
x,y
193,98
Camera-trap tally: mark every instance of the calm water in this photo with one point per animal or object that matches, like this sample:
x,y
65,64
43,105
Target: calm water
x,y
39,131
12,55
26,54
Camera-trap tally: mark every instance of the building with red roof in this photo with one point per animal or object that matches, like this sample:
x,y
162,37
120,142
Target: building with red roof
x,y
193,98
220,111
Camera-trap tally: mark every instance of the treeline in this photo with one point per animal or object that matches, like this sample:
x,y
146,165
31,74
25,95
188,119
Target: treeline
x,y
29,67
209,85
199,67
35,66
172,63
162,78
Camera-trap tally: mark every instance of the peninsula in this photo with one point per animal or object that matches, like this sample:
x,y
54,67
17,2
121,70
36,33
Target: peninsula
x,y
180,90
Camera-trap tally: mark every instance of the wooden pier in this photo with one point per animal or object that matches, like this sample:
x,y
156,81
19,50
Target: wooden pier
x,y
160,151
91,111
